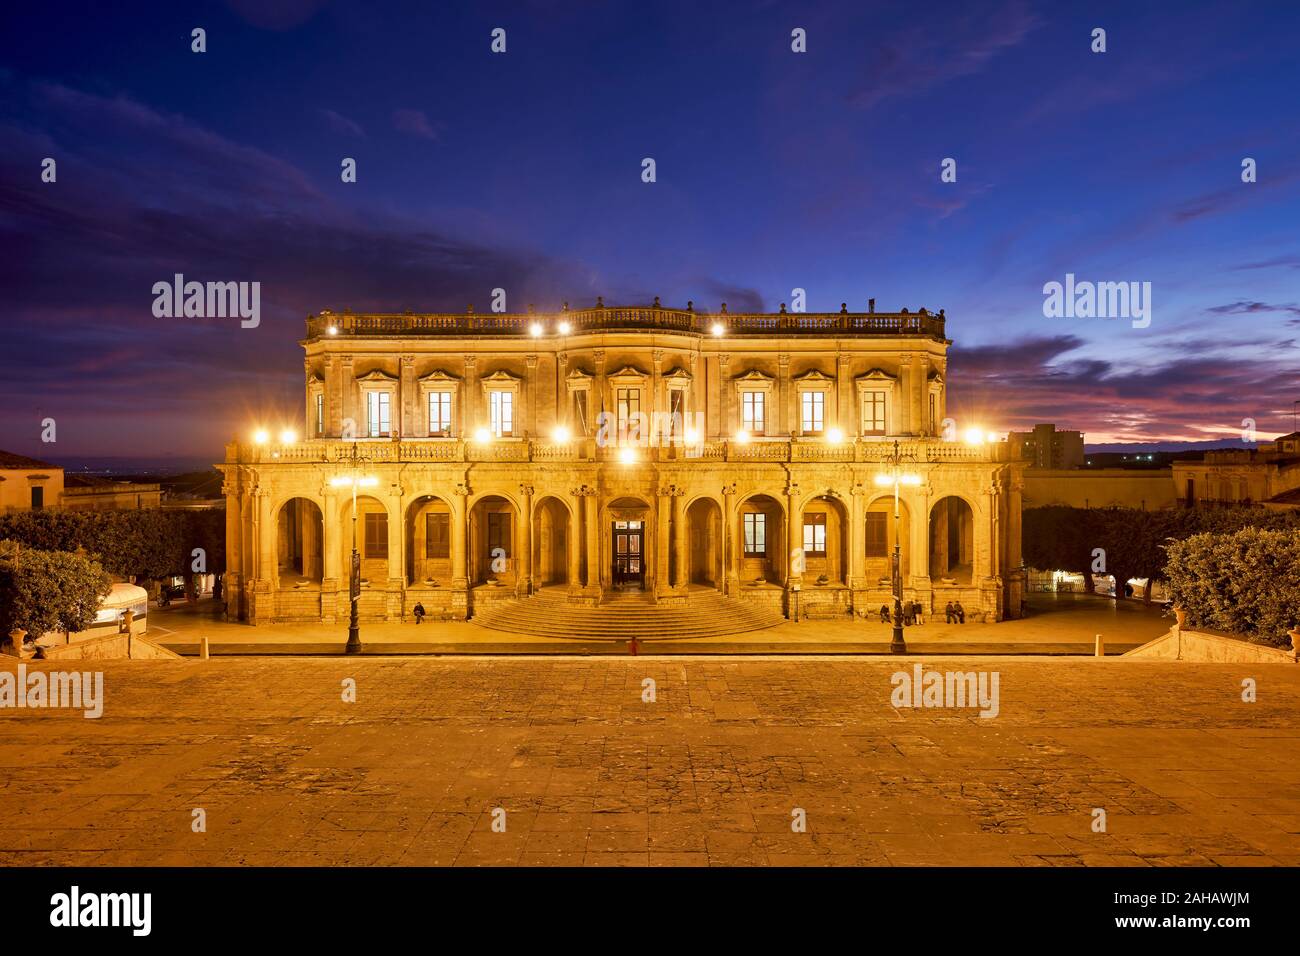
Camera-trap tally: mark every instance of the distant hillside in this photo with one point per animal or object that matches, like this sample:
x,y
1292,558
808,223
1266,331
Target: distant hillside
x,y
1169,446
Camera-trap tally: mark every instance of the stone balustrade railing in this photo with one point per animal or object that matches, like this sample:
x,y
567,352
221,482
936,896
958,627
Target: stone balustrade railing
x,y
923,323
434,450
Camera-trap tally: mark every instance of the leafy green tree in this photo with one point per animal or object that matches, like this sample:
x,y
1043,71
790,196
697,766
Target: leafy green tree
x,y
44,591
1244,582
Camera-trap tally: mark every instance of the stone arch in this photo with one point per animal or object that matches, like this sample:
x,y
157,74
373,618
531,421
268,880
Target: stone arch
x,y
493,528
761,553
300,541
373,538
704,554
552,537
879,537
427,533
952,540
824,530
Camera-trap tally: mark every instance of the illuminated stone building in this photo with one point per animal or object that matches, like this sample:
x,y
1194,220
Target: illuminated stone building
x,y
611,449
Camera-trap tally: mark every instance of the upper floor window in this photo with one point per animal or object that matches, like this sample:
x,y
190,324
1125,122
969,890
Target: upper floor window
x,y
873,413
379,423
934,414
440,413
501,405
814,536
320,414
756,535
628,407
813,418
753,412
38,497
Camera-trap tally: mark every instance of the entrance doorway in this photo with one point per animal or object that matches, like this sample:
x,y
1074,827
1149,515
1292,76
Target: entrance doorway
x,y
629,554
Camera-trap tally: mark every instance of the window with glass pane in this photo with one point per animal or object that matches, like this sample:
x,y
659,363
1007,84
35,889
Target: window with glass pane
x,y
934,414
440,413
873,413
378,414
437,536
877,534
752,412
756,535
814,536
320,415
376,545
502,405
814,407
628,405
676,410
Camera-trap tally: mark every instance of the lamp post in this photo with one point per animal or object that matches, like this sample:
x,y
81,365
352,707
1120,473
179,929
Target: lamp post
x,y
896,476
354,579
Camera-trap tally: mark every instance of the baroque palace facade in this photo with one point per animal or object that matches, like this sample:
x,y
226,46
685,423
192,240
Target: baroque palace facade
x,y
607,449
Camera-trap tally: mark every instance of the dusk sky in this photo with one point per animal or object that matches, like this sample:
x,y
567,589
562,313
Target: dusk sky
x,y
775,170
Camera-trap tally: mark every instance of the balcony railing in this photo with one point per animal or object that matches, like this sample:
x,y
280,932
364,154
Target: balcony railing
x,y
435,450
884,324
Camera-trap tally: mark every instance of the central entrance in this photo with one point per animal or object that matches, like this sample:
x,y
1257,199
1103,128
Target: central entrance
x,y
629,554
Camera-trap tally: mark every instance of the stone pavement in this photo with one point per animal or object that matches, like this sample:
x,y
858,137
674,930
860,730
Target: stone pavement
x,y
1057,624
588,773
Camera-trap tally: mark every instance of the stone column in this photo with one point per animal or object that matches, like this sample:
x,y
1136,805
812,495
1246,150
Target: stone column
x,y
406,391
857,536
563,399
794,533
679,539
730,545
598,394
524,539
656,376
917,397
663,582
396,602
530,396
573,541
843,397
347,384
331,554
460,550
469,403
593,538
726,402
782,423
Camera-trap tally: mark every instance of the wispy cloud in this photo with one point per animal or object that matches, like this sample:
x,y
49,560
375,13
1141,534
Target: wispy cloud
x,y
416,123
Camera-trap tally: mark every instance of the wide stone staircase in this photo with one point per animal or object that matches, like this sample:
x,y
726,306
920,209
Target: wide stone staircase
x,y
622,616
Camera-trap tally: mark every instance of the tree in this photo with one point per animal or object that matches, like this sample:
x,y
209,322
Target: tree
x,y
1244,582
44,591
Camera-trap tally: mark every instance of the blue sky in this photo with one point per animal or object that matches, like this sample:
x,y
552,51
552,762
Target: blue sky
x,y
775,170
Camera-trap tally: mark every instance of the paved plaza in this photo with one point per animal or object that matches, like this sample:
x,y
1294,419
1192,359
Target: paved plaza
x,y
1057,624
582,770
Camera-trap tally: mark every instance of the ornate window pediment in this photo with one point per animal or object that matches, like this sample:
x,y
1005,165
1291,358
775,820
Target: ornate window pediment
x,y
875,378
378,377
437,378
628,375
813,378
754,379
501,379
678,377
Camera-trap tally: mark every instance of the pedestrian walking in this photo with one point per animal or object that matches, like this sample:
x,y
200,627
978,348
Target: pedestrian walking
x,y
884,614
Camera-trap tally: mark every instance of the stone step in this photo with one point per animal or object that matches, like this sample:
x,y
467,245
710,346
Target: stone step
x,y
622,616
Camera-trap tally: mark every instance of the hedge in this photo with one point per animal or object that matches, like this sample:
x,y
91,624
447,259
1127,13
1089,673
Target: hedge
x,y
1246,582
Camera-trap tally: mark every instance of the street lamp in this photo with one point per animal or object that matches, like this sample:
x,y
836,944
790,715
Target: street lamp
x,y
354,581
896,476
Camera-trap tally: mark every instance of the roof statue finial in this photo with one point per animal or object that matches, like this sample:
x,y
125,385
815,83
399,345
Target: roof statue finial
x,y
656,302
782,308
690,305
470,308
600,302
724,308
844,307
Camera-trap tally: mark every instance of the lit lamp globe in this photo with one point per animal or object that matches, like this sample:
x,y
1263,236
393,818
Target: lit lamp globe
x,y
560,435
565,328
834,436
627,455
288,436
482,436
261,436
975,436
742,437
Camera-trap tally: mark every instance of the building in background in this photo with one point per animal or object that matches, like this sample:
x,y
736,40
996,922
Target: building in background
x,y
28,484
1045,447
609,449
93,493
1268,475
